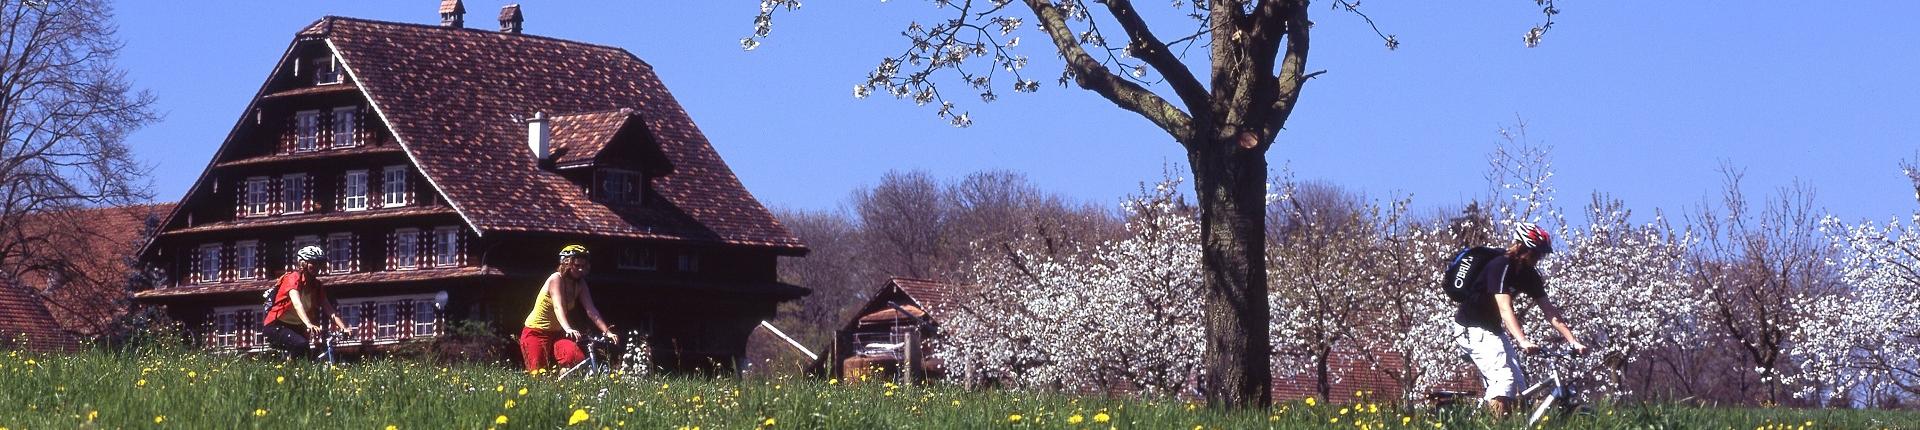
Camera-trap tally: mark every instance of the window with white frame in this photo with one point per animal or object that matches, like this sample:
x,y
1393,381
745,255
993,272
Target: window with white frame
x,y
209,257
425,319
306,130
325,71
689,262
340,255
293,193
387,320
353,191
256,196
406,249
637,258
446,246
618,186
343,127
393,186
246,260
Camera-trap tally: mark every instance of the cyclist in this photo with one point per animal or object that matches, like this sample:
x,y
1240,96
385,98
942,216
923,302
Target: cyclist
x,y
1488,330
549,336
301,299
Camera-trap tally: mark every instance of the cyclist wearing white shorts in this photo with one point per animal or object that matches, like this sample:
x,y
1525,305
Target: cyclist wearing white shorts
x,y
1489,331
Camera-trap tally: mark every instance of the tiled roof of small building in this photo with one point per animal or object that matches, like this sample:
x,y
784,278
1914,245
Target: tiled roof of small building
x,y
89,251
451,95
26,324
931,294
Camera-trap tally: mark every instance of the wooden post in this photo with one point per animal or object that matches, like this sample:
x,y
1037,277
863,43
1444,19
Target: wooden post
x,y
910,369
837,358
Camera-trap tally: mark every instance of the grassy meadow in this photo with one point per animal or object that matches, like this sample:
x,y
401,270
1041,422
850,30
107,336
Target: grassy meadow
x,y
198,391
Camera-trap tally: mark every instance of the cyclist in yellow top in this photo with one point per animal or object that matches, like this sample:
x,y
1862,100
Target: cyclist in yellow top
x,y
548,336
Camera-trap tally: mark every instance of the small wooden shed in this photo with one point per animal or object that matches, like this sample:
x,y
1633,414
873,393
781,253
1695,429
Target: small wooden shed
x,y
886,339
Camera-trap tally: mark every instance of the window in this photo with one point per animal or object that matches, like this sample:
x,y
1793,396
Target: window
x,y
350,314
293,193
256,196
637,258
209,263
393,186
387,324
689,262
619,186
246,260
343,127
446,246
424,320
340,255
354,191
306,130
406,249
325,72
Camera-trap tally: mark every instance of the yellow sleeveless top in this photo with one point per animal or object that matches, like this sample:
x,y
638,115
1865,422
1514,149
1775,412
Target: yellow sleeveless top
x,y
543,318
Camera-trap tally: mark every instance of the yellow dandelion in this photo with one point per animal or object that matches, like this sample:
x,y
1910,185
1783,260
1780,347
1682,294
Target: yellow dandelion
x,y
1013,418
1075,419
1334,420
499,388
1199,427
190,373
509,404
500,419
1101,417
140,383
523,391
1343,411
769,422
159,419
259,412
392,427
834,381
1358,393
1373,408
579,415
1309,400
1405,420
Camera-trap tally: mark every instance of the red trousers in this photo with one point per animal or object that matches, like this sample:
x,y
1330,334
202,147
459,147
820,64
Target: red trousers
x,y
543,348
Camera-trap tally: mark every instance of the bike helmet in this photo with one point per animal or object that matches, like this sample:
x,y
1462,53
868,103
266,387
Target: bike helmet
x,y
311,253
1533,237
572,251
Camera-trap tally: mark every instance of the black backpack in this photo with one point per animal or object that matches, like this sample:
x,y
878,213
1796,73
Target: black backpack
x,y
1464,272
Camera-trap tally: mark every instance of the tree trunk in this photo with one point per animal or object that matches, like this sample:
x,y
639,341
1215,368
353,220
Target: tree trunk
x,y
1230,181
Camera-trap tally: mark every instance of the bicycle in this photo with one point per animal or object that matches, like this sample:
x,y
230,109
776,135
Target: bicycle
x,y
1554,392
592,366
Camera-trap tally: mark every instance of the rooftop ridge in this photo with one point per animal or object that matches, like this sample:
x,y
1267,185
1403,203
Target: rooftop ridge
x,y
329,19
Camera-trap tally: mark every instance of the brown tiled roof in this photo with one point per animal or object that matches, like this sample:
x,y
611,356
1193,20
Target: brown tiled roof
x,y
26,324
330,153
930,294
581,137
451,96
286,220
351,279
96,246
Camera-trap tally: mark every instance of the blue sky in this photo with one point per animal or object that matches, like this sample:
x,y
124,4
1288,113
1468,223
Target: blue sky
x,y
1643,100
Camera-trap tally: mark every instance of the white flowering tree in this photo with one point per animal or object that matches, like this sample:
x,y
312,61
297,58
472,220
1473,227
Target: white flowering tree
x,y
1320,269
1625,288
1126,315
1409,317
1866,340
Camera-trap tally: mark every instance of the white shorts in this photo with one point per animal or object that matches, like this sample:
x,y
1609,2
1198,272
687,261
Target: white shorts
x,y
1494,355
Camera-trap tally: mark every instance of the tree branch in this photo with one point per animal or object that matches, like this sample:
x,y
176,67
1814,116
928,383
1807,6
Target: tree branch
x,y
1144,45
1093,76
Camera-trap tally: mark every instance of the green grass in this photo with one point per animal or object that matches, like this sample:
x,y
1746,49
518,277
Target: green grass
x,y
188,390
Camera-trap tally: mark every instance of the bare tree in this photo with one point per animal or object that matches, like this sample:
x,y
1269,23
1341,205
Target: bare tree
x,y
1760,272
66,109
903,218
1257,65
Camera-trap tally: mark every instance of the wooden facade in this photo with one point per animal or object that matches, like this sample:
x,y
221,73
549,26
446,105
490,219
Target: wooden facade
x,y
408,153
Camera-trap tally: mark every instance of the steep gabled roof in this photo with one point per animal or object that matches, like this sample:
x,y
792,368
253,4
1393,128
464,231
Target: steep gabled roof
x,y
451,96
581,137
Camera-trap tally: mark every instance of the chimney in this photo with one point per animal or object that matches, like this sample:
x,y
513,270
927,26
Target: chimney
x,y
510,19
452,14
539,137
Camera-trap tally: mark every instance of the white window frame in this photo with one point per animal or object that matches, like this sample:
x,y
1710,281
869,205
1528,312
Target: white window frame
x,y
408,256
209,270
340,260
354,191
246,260
326,71
293,193
393,186
256,199
306,131
619,186
638,258
344,121
446,246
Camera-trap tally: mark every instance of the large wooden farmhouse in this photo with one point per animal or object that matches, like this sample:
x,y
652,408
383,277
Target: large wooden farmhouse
x,y
443,167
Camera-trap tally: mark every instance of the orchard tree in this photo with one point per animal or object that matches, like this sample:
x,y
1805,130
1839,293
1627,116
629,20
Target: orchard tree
x,y
1625,287
1255,65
